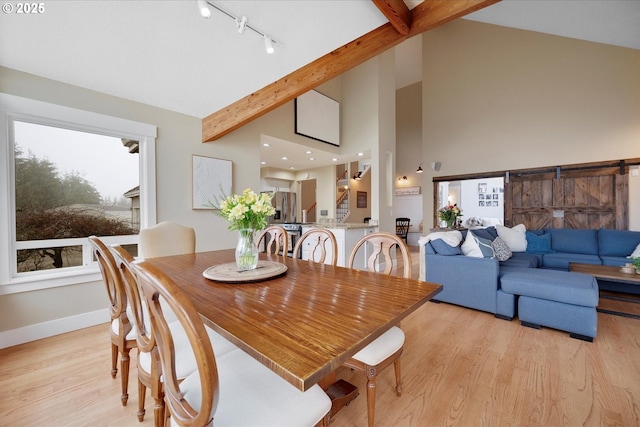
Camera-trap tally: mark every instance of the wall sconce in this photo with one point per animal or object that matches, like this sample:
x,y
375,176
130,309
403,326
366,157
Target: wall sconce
x,y
419,170
358,176
404,178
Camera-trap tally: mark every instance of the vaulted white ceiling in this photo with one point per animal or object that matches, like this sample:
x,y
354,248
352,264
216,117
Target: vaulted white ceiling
x,y
163,53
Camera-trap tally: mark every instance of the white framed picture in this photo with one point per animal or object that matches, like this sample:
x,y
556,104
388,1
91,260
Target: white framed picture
x,y
211,181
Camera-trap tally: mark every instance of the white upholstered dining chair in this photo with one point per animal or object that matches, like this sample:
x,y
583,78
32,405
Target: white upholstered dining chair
x,y
387,348
166,238
149,371
232,389
123,333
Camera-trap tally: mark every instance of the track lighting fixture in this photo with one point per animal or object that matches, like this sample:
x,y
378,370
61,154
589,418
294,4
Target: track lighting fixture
x,y
204,8
242,23
268,45
419,170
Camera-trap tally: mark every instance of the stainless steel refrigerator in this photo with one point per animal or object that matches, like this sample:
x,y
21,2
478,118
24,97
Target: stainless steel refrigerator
x,y
285,204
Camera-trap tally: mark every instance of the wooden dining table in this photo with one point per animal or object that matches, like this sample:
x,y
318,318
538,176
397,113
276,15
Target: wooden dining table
x,y
305,323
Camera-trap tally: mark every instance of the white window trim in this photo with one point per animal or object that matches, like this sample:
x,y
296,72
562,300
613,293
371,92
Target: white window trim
x,y
18,108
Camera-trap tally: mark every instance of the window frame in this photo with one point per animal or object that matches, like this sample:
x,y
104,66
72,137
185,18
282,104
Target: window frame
x,y
14,108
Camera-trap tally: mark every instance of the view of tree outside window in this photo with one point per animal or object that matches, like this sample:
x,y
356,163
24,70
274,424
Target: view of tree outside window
x,y
68,185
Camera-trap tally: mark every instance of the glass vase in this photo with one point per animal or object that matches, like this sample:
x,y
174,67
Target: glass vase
x,y
246,250
451,223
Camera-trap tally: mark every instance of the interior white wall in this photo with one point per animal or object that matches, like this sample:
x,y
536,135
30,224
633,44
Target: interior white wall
x,y
496,98
409,152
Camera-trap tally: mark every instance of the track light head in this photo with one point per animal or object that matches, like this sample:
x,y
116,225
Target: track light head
x,y
268,45
204,8
242,24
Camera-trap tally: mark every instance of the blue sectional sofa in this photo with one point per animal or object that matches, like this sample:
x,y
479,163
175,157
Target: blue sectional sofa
x,y
535,283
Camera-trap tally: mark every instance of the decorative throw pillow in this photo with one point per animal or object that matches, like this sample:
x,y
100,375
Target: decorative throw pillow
x,y
514,237
538,244
485,247
470,247
443,248
502,250
477,247
635,253
484,233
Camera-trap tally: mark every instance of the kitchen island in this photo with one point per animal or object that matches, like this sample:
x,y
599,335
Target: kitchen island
x,y
347,235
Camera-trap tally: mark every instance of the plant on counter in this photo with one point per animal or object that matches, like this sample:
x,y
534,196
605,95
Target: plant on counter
x,y
449,214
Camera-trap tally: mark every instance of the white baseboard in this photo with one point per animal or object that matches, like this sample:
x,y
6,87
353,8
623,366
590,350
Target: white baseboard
x,y
54,327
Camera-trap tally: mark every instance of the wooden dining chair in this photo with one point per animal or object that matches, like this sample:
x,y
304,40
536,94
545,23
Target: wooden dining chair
x,y
274,238
387,348
318,240
402,228
166,238
149,373
148,368
226,390
123,333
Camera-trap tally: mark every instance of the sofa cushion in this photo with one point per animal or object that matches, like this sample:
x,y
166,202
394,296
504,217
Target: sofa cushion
x,y
618,242
477,247
576,241
489,233
635,253
561,286
501,249
428,249
514,237
443,248
538,244
523,260
561,260
486,247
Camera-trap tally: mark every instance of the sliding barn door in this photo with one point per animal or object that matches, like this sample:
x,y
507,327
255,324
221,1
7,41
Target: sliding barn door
x,y
583,198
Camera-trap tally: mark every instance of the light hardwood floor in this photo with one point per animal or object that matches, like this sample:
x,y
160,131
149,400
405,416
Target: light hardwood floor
x,y
460,368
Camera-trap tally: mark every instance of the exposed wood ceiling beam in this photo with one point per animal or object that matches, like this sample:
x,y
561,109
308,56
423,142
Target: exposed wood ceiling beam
x,y
398,14
427,15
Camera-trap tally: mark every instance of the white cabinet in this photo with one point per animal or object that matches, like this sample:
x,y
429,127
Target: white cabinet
x,y
346,238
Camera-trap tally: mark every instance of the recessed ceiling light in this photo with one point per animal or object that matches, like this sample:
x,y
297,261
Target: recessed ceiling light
x,y
360,154
312,158
266,144
284,158
308,152
263,163
292,167
335,159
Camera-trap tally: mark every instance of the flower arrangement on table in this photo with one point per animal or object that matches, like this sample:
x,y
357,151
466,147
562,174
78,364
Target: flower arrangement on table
x,y
247,212
449,214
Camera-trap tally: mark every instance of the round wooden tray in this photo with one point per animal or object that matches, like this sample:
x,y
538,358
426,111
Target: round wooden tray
x,y
229,272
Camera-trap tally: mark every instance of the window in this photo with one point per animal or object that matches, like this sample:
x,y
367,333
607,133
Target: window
x,y
69,174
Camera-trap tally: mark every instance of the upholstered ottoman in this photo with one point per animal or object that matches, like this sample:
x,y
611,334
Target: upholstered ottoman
x,y
556,299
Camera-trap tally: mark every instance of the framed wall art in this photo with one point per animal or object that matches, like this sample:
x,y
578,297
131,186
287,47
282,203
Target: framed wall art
x,y
211,181
361,199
